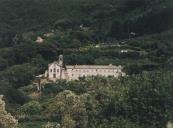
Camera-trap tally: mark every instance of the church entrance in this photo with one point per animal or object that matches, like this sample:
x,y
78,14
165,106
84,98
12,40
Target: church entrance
x,y
54,75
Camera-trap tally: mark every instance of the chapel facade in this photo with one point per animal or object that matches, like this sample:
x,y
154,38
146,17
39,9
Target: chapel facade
x,y
57,70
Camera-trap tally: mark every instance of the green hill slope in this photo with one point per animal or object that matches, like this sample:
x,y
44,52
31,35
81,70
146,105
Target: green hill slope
x,y
88,32
105,18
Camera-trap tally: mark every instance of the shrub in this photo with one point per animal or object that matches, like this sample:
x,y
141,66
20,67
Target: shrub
x,y
6,119
32,107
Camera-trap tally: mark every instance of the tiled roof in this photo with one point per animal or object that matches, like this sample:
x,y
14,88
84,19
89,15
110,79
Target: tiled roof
x,y
93,67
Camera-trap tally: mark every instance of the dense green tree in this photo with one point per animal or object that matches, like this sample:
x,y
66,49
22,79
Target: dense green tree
x,y
20,75
69,108
3,64
146,99
32,107
6,119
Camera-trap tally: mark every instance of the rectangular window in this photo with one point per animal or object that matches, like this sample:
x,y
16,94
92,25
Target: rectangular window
x,y
50,70
57,70
54,70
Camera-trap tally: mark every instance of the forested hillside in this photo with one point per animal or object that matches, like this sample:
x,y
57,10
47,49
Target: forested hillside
x,y
88,32
105,19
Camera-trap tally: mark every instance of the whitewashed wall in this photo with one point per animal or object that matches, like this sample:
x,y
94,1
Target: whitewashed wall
x,y
54,71
75,73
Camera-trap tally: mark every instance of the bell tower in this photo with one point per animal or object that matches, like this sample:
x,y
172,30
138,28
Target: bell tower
x,y
60,61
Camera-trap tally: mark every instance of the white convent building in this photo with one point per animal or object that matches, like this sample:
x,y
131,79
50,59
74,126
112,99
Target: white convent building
x,y
57,70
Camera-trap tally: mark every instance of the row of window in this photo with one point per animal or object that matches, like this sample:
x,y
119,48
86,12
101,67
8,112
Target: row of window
x,y
92,74
54,70
89,75
86,70
95,70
